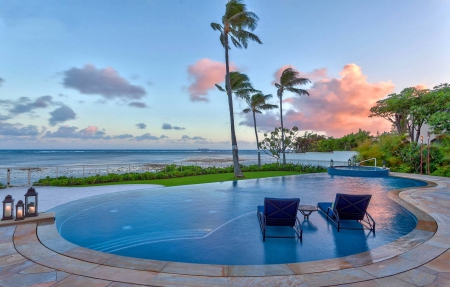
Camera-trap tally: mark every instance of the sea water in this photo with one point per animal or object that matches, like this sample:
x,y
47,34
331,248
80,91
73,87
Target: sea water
x,y
79,163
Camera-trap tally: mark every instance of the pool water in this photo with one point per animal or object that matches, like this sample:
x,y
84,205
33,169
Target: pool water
x,y
217,224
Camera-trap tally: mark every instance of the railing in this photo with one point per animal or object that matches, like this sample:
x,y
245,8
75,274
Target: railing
x,y
368,160
25,176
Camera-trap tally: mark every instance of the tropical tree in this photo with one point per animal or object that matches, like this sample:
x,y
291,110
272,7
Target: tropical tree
x,y
235,21
274,145
256,103
240,85
288,80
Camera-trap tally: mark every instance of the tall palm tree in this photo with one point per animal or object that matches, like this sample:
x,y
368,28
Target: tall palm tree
x,y
288,80
256,103
234,23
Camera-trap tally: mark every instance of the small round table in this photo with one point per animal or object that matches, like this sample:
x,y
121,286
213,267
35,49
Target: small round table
x,y
306,210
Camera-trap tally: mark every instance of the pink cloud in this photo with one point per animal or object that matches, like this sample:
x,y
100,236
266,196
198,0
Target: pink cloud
x,y
206,73
336,106
420,87
315,75
90,130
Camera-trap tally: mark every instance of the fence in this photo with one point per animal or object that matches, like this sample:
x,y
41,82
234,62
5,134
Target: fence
x,y
25,176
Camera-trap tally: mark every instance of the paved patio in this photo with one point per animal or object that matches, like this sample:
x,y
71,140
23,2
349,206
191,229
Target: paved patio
x,y
35,255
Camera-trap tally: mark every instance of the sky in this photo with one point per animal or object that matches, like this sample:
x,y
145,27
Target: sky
x,y
110,74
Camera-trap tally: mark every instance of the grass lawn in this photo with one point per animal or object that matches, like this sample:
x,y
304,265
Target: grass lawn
x,y
207,178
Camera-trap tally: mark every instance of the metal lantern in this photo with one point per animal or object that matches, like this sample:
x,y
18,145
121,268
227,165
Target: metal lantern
x,y
20,210
349,162
31,203
8,208
331,163
384,164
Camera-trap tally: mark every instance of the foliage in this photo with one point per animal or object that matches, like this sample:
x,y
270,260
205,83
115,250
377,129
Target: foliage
x,y
273,145
256,103
311,142
440,120
288,80
404,156
235,21
240,85
409,110
172,171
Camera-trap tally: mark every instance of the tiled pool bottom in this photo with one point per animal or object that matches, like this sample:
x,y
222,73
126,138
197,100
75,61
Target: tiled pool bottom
x,y
410,261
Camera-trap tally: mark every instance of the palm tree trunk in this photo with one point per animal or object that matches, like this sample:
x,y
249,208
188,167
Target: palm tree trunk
x,y
282,127
237,168
257,142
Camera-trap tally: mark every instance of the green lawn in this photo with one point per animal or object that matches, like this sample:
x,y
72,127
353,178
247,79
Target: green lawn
x,y
207,178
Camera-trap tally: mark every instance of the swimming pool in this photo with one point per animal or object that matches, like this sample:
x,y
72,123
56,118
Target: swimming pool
x,y
217,224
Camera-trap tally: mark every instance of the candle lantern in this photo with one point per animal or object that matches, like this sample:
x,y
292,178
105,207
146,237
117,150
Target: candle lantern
x,y
20,210
8,208
331,163
31,203
384,164
349,162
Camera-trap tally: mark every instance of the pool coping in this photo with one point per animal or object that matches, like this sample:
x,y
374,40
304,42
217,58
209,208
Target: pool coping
x,y
42,244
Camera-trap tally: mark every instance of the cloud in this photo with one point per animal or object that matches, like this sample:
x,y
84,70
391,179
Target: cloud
x,y
105,82
25,104
138,105
313,76
163,137
1,81
7,129
123,136
141,126
91,132
146,136
206,73
195,138
4,118
61,114
167,126
336,106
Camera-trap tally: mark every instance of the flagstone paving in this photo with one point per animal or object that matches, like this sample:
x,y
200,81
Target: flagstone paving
x,y
35,255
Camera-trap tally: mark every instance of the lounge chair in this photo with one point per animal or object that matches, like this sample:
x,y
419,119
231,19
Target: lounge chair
x,y
348,207
279,212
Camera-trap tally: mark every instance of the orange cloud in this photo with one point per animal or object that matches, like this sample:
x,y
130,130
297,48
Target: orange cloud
x,y
336,106
206,73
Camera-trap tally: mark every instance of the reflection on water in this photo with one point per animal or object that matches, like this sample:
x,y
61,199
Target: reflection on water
x,y
176,223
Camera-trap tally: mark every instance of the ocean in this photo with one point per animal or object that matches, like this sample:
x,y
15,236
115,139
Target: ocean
x,y
42,163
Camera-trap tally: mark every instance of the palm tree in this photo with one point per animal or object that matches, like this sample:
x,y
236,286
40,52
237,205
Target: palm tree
x,y
240,85
234,23
288,80
256,103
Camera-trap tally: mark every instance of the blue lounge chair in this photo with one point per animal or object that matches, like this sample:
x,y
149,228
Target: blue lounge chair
x,y
348,207
279,212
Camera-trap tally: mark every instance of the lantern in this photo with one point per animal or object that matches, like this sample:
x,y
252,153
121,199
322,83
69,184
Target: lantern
x,y
331,163
384,164
349,162
20,210
31,203
8,208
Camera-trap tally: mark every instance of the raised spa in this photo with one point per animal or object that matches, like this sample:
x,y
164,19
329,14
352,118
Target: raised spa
x,y
217,224
360,171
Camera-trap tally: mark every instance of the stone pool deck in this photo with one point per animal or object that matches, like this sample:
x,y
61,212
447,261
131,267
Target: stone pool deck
x,y
35,255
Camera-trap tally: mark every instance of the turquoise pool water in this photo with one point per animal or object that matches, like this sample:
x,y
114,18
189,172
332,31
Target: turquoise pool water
x,y
217,224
